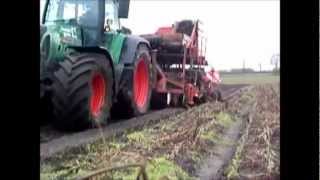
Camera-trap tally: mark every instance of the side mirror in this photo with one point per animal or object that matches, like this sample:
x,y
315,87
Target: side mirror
x,y
123,10
125,30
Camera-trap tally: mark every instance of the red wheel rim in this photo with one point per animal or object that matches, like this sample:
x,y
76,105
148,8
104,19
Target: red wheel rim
x,y
141,84
98,92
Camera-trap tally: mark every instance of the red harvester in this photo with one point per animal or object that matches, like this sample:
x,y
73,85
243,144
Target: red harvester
x,y
179,63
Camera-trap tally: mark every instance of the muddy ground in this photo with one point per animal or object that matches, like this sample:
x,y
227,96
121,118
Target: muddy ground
x,y
258,151
59,141
52,141
238,139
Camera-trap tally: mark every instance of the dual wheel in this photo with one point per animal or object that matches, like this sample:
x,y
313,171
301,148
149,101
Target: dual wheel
x,y
83,90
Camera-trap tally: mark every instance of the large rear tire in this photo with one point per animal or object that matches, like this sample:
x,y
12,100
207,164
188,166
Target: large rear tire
x,y
82,91
134,97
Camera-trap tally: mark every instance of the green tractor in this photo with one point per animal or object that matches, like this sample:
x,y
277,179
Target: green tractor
x,y
89,65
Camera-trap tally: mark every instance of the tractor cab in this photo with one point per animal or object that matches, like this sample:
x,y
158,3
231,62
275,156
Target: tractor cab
x,y
68,24
78,22
83,22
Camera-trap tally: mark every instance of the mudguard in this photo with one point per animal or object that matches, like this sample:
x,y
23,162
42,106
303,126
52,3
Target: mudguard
x,y
129,48
104,51
127,57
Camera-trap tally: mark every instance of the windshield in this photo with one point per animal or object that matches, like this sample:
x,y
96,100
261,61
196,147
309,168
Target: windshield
x,y
84,12
111,15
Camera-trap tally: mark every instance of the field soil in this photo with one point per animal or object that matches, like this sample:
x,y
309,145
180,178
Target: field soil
x,y
250,78
53,141
258,152
236,139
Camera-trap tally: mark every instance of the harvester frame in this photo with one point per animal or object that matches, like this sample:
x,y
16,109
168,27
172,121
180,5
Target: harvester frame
x,y
184,84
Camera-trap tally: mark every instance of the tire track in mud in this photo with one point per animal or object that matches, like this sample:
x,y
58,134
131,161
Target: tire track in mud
x,y
226,161
229,91
213,168
58,141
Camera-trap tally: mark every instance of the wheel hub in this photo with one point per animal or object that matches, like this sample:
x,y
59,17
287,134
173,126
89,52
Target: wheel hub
x,y
98,92
141,84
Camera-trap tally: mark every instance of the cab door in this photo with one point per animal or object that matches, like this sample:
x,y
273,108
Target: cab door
x,y
113,38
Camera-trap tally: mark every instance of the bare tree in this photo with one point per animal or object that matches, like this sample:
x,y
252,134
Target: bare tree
x,y
275,60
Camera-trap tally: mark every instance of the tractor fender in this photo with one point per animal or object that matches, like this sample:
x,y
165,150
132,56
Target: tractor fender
x,y
128,56
129,48
104,51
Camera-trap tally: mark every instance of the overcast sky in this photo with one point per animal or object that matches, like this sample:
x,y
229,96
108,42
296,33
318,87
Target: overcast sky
x,y
236,30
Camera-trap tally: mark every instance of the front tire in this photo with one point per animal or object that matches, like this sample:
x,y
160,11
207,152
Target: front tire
x,y
134,97
82,91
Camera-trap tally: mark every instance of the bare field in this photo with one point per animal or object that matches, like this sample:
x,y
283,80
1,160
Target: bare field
x,y
250,78
258,152
187,145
